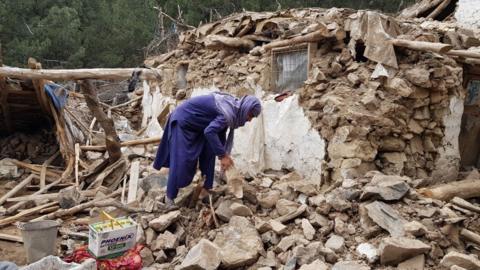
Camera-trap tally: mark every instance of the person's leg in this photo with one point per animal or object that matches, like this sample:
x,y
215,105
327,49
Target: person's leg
x,y
184,151
207,165
162,159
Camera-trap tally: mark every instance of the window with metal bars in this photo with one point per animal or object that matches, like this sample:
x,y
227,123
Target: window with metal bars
x,y
289,69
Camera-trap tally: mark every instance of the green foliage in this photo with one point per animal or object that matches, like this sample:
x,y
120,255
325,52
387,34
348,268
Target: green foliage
x,y
114,33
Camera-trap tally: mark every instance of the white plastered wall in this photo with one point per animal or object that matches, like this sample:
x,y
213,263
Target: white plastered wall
x,y
467,13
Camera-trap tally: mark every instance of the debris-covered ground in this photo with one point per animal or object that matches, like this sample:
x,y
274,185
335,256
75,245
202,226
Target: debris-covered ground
x,y
387,126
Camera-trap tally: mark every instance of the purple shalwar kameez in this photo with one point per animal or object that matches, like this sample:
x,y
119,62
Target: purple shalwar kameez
x,y
196,133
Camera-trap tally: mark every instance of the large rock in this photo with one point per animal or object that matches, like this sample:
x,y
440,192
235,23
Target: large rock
x,y
285,206
315,265
394,250
415,263
361,149
462,260
268,199
223,211
203,256
239,209
419,77
166,240
308,229
161,223
385,187
386,217
350,265
335,243
239,243
398,86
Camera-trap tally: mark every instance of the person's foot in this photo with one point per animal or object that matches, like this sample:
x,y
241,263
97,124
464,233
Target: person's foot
x,y
169,202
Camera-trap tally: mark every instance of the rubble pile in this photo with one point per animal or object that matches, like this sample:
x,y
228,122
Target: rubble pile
x,y
283,222
35,147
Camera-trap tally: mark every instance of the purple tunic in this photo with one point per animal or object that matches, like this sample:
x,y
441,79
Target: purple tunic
x,y
194,135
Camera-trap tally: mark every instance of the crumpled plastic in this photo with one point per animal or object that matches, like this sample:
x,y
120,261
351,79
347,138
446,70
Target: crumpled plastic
x,y
130,260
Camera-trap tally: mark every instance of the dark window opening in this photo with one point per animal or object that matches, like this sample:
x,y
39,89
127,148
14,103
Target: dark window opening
x,y
359,51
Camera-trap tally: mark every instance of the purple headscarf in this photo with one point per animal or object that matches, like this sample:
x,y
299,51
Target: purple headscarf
x,y
236,112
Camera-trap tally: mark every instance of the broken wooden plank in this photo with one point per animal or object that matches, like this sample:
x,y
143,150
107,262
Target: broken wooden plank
x,y
438,9
53,196
11,238
133,183
34,168
223,42
17,188
386,217
465,53
422,45
43,171
152,140
19,205
28,212
78,74
465,204
463,189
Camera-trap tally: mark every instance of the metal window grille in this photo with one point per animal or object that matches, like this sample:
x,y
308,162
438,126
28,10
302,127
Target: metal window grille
x,y
182,76
289,69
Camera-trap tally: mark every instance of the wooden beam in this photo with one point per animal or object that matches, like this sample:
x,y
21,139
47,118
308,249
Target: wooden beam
x,y
422,45
78,74
112,140
17,188
152,140
133,183
438,9
21,215
465,53
11,238
310,37
19,205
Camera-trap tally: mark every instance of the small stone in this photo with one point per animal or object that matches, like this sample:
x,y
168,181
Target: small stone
x,y
315,265
161,223
369,251
278,227
394,250
147,257
286,243
415,263
415,228
335,243
268,199
386,217
240,210
330,255
270,237
399,86
203,256
150,235
308,229
468,262
223,211
419,77
160,256
350,265
285,206
266,182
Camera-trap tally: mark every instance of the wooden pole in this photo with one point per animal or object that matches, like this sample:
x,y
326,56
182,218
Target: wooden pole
x,y
78,74
422,45
438,9
465,53
18,205
112,141
152,140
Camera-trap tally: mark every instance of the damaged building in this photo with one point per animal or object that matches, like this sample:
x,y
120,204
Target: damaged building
x,y
363,157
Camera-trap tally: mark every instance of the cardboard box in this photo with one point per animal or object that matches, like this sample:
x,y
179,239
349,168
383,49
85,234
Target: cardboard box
x,y
103,240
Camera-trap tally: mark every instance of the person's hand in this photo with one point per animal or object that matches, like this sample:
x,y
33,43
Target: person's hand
x,y
226,162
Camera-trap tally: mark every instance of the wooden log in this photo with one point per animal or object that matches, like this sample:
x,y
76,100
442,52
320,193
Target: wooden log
x,y
465,53
53,196
465,204
464,189
11,238
470,236
43,172
310,37
222,42
152,140
422,45
78,74
112,141
17,188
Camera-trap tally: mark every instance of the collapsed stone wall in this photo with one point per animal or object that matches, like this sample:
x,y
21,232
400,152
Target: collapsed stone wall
x,y
399,121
